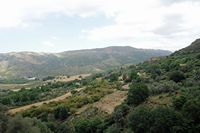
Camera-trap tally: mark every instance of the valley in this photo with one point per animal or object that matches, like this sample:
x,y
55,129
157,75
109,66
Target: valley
x,y
158,94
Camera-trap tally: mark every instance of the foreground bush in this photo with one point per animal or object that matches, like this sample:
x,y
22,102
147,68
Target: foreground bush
x,y
176,76
159,120
61,113
137,94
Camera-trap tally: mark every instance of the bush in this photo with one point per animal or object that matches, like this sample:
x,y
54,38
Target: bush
x,y
61,113
22,125
137,94
177,76
3,118
87,125
113,129
165,120
179,102
139,119
113,77
191,110
63,128
119,115
198,56
163,87
157,120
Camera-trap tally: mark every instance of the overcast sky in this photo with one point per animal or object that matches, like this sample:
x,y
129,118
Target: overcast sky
x,y
61,25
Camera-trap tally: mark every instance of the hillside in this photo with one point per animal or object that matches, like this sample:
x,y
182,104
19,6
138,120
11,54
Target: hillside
x,y
158,95
163,95
30,64
193,48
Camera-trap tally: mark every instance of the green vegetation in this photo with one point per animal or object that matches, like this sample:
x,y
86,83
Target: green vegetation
x,y
163,96
173,105
92,93
40,93
137,94
61,113
176,76
88,125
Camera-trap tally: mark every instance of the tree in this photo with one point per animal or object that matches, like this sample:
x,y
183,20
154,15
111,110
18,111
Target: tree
x,y
176,76
191,110
133,76
113,77
61,113
113,129
87,125
155,120
165,120
119,115
137,94
139,119
63,128
179,102
20,125
3,118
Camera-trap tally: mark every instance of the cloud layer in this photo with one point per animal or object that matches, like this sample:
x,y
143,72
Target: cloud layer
x,y
163,24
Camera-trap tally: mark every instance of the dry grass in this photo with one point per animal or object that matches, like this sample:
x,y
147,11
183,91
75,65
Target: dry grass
x,y
106,104
162,99
109,102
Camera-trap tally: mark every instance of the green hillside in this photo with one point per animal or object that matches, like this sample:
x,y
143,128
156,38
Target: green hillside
x,y
29,64
193,48
161,95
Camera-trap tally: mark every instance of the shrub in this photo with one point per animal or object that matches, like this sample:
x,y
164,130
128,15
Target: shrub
x,y
191,110
119,115
113,129
137,94
3,118
163,87
18,124
87,125
139,119
198,56
61,113
113,77
63,128
165,120
176,76
179,102
157,120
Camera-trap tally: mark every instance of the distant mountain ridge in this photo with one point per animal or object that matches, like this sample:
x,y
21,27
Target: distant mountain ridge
x,y
32,64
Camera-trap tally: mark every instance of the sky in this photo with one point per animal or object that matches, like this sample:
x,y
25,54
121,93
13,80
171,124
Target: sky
x,y
62,25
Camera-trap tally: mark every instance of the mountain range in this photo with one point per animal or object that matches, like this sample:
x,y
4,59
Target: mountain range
x,y
32,64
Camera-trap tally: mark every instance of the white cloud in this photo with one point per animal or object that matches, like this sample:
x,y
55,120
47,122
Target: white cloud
x,y
14,13
144,23
49,44
152,24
